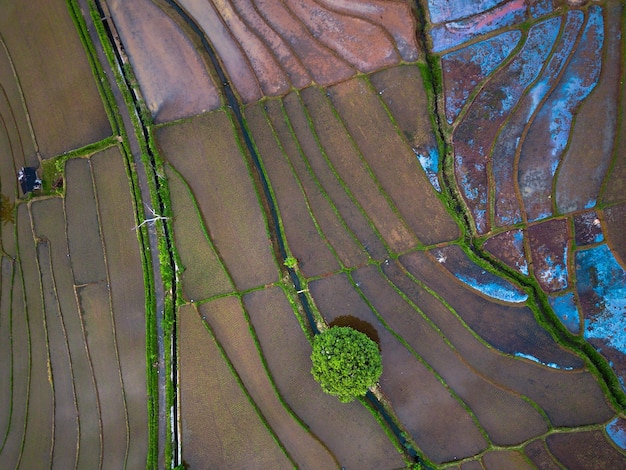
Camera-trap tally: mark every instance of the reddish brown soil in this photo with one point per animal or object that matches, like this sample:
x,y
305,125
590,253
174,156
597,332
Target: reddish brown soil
x,y
332,226
220,427
588,157
305,242
196,252
226,47
83,228
438,423
589,450
615,228
505,459
66,110
549,388
173,76
587,228
488,402
472,465
348,430
314,160
394,164
505,247
354,172
538,454
232,330
549,242
287,58
206,153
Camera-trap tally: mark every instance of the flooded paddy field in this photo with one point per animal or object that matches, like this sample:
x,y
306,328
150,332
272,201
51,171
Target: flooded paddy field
x,y
446,175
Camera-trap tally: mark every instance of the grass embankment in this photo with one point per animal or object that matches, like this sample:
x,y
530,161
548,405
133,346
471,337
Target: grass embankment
x,y
142,233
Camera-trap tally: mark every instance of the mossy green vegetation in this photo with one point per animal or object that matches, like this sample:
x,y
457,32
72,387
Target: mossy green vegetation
x,y
346,363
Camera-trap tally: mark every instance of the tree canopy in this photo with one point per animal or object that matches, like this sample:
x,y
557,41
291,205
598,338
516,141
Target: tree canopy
x,y
346,362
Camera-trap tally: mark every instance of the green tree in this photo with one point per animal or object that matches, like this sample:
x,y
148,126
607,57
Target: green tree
x,y
345,362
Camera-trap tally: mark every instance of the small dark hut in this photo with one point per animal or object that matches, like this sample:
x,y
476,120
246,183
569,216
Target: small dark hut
x,y
27,177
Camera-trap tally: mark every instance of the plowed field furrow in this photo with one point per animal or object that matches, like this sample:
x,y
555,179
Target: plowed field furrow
x,y
305,242
49,223
549,133
125,278
506,201
510,329
393,163
95,312
321,62
587,158
83,228
18,114
589,450
539,455
280,48
547,387
395,18
330,229
200,280
353,172
221,428
6,371
346,35
65,436
9,127
207,155
402,91
348,430
164,60
232,330
37,446
226,47
11,448
615,227
438,423
480,125
488,402
268,71
334,223
66,112
506,459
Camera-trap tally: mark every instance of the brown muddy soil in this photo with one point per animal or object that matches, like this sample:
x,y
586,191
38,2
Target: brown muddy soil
x,y
442,435
65,107
214,409
305,242
505,459
539,455
207,155
615,224
589,450
363,241
172,74
348,430
508,247
549,243
485,400
393,163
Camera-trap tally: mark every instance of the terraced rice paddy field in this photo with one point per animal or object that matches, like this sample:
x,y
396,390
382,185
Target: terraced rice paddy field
x,y
446,175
